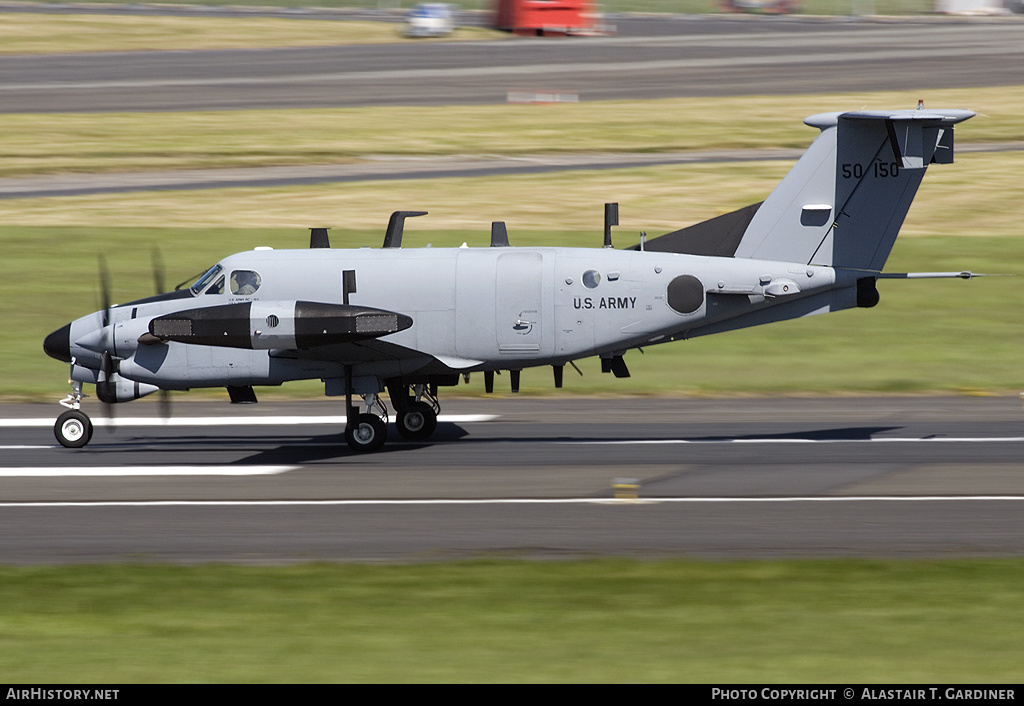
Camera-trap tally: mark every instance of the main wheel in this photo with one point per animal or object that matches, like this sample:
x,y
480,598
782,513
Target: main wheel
x,y
368,434
418,422
73,429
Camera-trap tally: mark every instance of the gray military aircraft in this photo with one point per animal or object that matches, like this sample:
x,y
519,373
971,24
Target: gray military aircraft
x,y
411,320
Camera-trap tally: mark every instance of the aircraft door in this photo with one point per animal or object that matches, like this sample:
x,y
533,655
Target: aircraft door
x,y
519,303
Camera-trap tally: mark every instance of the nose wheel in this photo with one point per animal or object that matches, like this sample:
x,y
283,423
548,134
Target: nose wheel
x,y
73,429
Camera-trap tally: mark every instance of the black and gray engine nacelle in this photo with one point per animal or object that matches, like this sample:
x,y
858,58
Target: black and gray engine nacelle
x,y
275,324
118,389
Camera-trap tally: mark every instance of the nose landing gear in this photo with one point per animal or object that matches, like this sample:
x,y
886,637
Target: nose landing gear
x,y
73,428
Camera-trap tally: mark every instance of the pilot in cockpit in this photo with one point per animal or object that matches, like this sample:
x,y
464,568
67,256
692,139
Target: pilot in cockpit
x,y
244,282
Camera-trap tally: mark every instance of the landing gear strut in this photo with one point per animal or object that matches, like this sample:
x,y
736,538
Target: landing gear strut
x,y
73,428
415,404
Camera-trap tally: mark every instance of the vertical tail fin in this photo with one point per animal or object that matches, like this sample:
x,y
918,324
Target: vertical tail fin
x,y
844,201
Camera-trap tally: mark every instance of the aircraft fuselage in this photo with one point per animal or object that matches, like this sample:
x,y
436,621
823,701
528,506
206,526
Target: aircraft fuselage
x,y
471,309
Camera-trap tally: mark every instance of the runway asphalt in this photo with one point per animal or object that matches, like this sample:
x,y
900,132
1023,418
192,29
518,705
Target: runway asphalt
x,y
922,477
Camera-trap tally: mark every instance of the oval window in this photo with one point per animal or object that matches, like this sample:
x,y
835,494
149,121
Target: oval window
x,y
591,278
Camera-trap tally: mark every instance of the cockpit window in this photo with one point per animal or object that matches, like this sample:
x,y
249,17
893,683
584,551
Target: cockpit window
x,y
205,279
218,286
244,282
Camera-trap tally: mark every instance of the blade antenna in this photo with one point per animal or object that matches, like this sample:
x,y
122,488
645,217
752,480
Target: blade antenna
x,y
611,218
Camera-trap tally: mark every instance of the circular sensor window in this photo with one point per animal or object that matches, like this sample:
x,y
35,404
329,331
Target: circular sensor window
x,y
591,278
685,294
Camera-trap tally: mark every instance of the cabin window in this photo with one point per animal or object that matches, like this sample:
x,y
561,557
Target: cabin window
x,y
245,282
591,278
205,279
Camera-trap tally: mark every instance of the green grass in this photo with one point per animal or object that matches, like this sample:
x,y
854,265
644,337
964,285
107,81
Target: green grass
x,y
520,621
971,198
99,142
65,33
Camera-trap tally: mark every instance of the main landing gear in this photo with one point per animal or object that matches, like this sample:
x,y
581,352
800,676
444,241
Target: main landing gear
x,y
367,434
416,410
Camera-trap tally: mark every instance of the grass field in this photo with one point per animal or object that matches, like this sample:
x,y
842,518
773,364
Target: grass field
x,y
98,142
65,33
839,621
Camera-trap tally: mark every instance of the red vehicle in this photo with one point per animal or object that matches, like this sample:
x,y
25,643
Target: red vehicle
x,y
548,17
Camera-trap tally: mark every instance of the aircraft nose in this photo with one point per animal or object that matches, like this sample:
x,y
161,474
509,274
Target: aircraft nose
x,y
58,344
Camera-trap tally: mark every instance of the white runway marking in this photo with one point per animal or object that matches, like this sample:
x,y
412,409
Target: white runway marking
x,y
122,471
517,501
885,439
225,421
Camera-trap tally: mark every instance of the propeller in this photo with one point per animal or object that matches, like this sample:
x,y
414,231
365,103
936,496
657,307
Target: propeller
x,y
104,387
157,259
105,290
158,270
102,341
105,390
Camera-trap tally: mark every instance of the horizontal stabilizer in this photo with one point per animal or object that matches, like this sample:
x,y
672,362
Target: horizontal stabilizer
x,y
917,137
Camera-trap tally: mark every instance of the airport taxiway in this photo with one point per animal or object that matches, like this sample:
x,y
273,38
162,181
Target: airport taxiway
x,y
701,57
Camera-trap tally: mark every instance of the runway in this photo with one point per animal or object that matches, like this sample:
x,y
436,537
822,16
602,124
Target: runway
x,y
894,477
701,57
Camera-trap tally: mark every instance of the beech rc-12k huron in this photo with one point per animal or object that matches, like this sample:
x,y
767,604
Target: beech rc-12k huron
x,y
410,320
